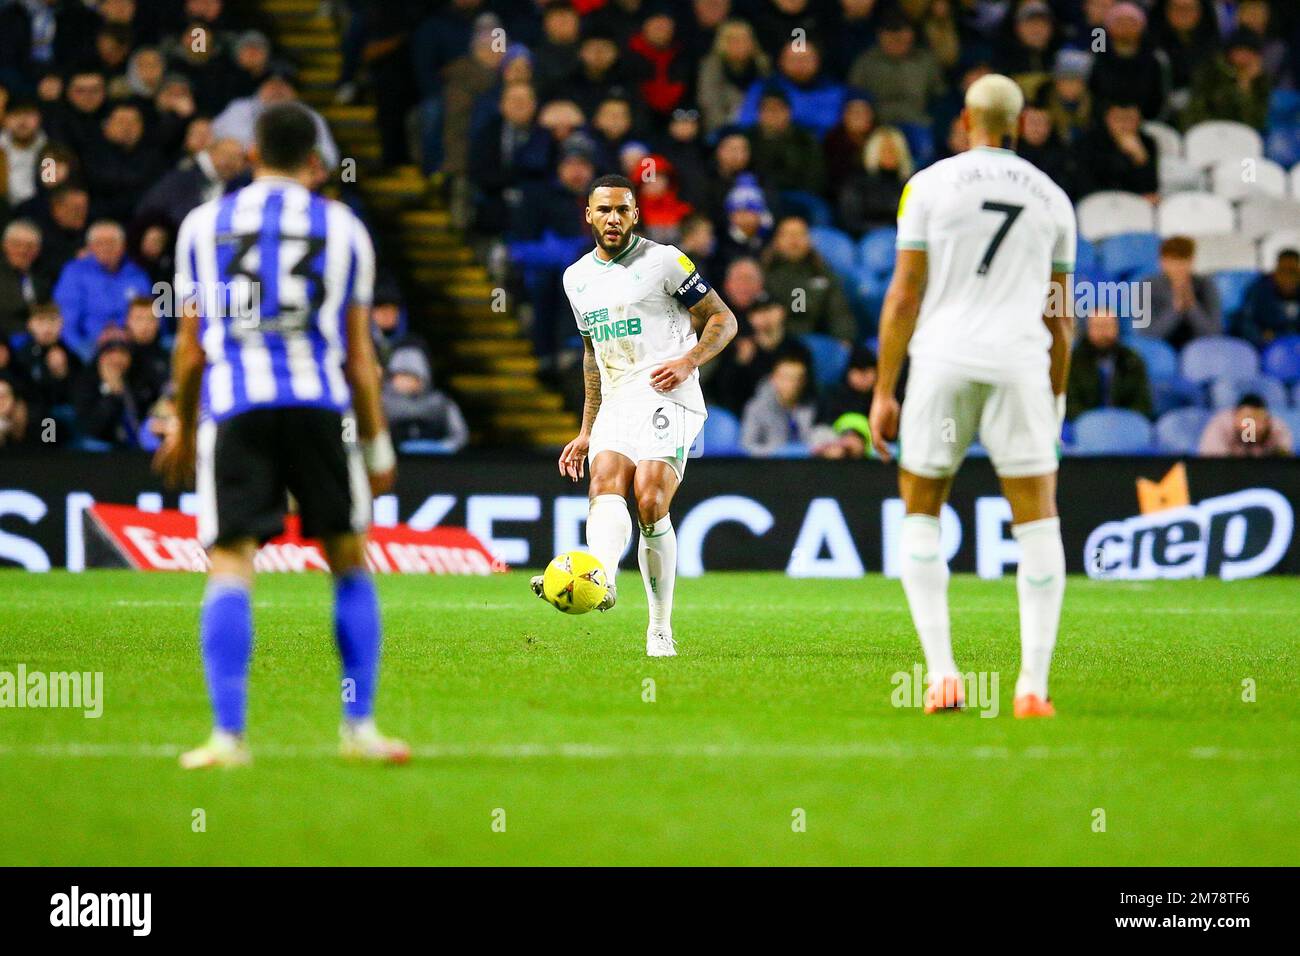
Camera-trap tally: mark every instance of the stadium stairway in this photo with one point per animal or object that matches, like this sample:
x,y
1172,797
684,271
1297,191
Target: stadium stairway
x,y
478,345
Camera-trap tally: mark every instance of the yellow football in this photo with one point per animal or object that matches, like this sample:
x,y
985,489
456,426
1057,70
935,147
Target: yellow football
x,y
574,582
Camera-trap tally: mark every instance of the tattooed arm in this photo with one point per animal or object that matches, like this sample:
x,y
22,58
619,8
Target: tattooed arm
x,y
715,325
573,458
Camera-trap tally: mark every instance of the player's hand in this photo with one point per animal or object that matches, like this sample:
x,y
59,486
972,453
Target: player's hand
x,y
174,459
573,460
884,424
671,374
382,482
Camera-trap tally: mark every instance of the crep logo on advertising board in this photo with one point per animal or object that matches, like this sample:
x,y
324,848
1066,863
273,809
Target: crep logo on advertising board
x,y
1238,535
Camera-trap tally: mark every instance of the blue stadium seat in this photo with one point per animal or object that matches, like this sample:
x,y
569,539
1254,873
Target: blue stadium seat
x,y
920,140
424,446
1233,284
1282,359
1112,431
1085,256
1131,255
792,450
1158,355
830,358
720,437
1226,392
1292,418
1218,356
1284,108
816,210
876,250
837,249
1177,393
1283,144
1179,432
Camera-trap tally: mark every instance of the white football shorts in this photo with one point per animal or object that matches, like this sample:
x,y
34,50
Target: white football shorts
x,y
943,412
641,425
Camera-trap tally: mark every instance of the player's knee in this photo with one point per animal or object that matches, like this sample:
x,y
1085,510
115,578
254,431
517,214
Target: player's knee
x,y
651,505
345,553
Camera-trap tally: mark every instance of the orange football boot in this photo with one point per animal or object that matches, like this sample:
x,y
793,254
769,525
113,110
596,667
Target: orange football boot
x,y
1031,705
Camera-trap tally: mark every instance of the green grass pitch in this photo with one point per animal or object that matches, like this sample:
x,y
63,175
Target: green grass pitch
x,y
780,702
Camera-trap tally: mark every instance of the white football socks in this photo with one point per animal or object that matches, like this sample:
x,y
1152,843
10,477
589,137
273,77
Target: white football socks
x,y
1040,582
657,555
925,582
609,528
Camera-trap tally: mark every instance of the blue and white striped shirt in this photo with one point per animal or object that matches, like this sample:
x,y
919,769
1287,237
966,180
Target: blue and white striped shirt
x,y
273,269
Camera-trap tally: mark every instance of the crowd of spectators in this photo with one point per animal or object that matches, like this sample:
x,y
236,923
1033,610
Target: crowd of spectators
x,y
117,118
751,126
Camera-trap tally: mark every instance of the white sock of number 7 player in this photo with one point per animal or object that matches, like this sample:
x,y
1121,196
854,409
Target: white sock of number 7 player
x,y
657,555
1040,583
609,528
925,582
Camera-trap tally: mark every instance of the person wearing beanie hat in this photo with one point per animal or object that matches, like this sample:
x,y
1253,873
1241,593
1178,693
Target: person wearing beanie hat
x,y
1068,100
1128,68
1232,86
416,411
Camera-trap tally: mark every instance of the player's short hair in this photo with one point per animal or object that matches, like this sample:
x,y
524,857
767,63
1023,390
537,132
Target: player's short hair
x,y
286,136
997,97
1287,254
1252,400
612,180
1178,247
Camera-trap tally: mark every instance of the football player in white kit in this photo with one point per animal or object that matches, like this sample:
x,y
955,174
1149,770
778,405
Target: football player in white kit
x,y
980,237
648,322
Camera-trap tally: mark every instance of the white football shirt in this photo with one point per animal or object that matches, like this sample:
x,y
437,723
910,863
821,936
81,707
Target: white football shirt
x,y
994,227
634,309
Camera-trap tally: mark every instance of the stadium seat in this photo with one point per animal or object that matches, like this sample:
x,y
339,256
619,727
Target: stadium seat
x,y
1179,432
1224,253
876,250
1259,215
1218,356
1292,418
1111,213
1176,393
1233,284
1085,256
1167,138
1157,355
1294,176
1208,142
1226,392
1282,359
1284,144
813,208
1177,175
720,436
1130,255
425,446
830,358
1112,431
1274,243
1201,214
1232,179
1284,108
836,248
920,140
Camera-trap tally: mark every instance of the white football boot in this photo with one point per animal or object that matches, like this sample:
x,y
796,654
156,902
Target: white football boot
x,y
660,643
223,749
535,582
361,740
609,600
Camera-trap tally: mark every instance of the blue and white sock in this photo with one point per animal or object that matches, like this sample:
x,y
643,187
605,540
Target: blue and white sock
x,y
356,629
226,635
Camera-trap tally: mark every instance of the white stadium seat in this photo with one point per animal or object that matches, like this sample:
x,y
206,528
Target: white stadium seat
x,y
1259,215
1224,253
1111,212
1207,143
1177,175
1233,179
1295,181
1187,214
1274,243
1167,138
